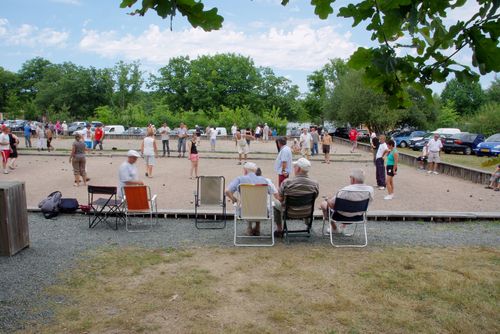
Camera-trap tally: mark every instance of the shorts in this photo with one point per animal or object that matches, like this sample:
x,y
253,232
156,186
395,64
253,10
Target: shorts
x,y
326,149
495,177
88,144
5,155
390,170
424,159
150,160
434,157
243,149
305,151
49,140
257,135
194,157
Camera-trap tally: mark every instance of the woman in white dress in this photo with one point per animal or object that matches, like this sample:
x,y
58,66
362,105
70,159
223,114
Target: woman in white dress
x,y
242,145
149,151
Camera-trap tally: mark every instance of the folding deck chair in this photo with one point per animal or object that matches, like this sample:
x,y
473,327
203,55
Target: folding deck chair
x,y
301,201
104,207
345,205
210,194
137,199
254,205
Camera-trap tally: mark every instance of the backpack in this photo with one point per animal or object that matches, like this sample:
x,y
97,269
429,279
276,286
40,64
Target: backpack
x,y
68,205
50,205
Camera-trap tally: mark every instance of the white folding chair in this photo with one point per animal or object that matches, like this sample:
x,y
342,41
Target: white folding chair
x,y
254,205
210,194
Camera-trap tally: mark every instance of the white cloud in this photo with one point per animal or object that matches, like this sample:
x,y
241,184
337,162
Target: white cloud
x,y
301,47
31,36
463,13
68,2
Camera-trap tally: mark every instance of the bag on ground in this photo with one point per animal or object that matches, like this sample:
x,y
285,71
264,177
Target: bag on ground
x,y
68,205
50,205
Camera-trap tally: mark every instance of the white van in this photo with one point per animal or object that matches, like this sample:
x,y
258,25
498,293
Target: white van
x,y
447,131
114,129
221,131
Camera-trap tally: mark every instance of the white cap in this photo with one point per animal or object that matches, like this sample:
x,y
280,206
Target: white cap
x,y
133,153
303,164
250,166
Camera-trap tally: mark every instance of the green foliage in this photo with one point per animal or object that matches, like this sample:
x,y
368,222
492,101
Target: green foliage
x,y
486,120
493,93
447,116
467,97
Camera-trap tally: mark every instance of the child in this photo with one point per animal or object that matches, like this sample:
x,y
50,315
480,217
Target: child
x,y
193,156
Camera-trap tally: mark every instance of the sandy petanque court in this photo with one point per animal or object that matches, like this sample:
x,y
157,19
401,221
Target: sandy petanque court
x,y
415,190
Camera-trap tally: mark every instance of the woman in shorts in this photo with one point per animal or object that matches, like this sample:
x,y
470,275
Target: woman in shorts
x,y
149,151
193,156
242,146
326,144
78,161
391,168
14,141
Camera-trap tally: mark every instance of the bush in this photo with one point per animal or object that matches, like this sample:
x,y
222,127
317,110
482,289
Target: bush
x,y
486,120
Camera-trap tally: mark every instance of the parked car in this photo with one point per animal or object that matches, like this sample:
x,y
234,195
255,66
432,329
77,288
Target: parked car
x,y
114,129
418,145
447,131
490,147
342,133
17,125
191,131
462,142
403,138
363,135
135,131
76,126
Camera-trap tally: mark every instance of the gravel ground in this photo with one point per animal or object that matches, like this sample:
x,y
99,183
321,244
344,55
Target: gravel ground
x,y
57,243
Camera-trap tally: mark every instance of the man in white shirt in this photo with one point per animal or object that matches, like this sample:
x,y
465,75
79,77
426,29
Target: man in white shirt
x,y
283,163
213,139
165,137
379,162
305,144
355,191
234,128
127,174
434,146
258,133
266,132
64,127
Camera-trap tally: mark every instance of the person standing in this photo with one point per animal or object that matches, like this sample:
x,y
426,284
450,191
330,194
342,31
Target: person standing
x,y
78,160
181,140
379,163
374,143
392,168
64,128
27,134
326,145
435,145
5,147
305,144
234,128
258,132
98,136
14,142
266,132
165,138
149,151
58,128
49,134
87,136
127,174
40,132
213,139
315,139
194,157
353,138
283,162
197,130
242,146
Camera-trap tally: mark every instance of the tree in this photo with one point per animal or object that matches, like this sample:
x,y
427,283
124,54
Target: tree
x,y
8,83
466,97
493,93
127,83
32,72
398,26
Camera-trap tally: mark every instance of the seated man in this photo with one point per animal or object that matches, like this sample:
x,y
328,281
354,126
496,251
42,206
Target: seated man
x,y
356,191
495,180
301,184
127,174
248,177
422,159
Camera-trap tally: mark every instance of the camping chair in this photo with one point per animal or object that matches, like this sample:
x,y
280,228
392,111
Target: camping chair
x,y
210,193
137,199
103,207
254,205
345,205
292,202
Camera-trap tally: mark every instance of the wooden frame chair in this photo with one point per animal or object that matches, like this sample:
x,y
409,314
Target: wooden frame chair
x,y
137,199
293,201
255,204
103,207
334,216
210,193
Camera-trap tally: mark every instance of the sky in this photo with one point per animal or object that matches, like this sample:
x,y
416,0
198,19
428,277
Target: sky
x,y
291,40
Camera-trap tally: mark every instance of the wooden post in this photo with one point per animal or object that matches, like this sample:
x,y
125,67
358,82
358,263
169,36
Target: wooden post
x,y
14,229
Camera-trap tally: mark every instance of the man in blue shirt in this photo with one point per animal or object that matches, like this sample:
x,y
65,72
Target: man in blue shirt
x,y
27,134
248,177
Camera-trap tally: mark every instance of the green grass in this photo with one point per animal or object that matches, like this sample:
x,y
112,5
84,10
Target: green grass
x,y
281,290
470,161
